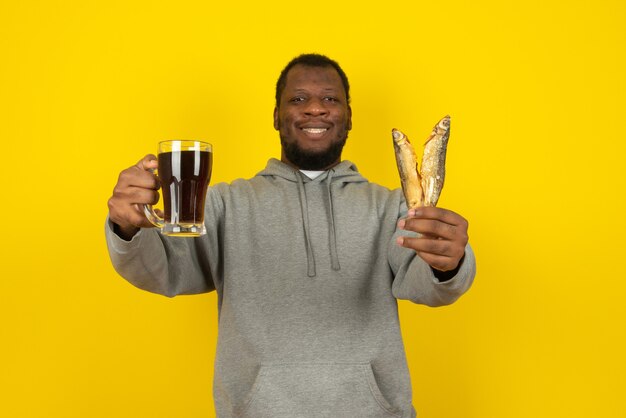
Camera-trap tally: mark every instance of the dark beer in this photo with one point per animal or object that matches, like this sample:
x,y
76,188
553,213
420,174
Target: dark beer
x,y
184,179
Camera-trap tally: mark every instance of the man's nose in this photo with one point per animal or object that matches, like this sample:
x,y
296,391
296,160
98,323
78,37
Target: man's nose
x,y
316,107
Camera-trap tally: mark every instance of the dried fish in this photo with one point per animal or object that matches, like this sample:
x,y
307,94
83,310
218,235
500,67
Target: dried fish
x,y
434,162
408,170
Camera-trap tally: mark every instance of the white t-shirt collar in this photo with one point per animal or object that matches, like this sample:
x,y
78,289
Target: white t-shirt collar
x,y
312,174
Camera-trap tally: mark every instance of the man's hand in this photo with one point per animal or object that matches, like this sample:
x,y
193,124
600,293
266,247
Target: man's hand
x,y
443,236
135,187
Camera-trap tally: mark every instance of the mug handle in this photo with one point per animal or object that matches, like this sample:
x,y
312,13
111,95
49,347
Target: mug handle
x,y
152,216
154,219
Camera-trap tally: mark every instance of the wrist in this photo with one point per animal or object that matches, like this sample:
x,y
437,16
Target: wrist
x,y
125,232
444,276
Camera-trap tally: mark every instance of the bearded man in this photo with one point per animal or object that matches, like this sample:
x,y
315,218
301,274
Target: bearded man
x,y
308,260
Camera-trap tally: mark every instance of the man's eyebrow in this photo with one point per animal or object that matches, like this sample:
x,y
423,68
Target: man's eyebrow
x,y
325,90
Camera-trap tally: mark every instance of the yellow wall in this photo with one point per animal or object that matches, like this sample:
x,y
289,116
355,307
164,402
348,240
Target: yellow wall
x,y
536,163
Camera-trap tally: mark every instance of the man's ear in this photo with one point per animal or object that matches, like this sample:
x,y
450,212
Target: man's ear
x,y
276,124
349,117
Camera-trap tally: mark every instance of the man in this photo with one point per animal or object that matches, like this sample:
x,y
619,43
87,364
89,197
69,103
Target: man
x,y
308,260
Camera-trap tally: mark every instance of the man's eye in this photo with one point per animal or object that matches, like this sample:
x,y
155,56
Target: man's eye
x,y
330,99
297,99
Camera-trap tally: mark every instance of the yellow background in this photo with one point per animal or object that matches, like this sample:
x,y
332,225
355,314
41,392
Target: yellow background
x,y
536,163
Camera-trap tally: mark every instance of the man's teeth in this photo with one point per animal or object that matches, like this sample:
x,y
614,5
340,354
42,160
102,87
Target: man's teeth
x,y
315,130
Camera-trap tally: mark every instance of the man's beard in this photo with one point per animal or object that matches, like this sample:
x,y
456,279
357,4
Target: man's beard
x,y
312,160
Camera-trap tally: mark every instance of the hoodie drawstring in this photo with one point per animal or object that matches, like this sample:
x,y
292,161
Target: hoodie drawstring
x,y
305,225
332,238
332,234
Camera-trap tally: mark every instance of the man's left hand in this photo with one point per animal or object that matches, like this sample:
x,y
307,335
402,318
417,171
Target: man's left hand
x,y
443,236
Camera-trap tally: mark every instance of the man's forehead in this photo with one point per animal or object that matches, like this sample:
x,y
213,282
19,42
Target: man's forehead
x,y
303,73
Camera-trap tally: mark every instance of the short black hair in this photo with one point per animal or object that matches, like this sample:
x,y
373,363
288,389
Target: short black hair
x,y
310,60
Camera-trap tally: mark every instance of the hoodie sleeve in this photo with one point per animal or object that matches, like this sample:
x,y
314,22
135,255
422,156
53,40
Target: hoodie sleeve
x,y
170,266
414,279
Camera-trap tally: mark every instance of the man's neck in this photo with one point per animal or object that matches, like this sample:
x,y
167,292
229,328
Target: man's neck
x,y
289,163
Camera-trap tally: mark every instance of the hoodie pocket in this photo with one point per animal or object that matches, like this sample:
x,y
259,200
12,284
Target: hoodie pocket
x,y
334,390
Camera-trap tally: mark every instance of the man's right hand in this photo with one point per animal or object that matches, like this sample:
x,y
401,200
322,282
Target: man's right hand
x,y
135,187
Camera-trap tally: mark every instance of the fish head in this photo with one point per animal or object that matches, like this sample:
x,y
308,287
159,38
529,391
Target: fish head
x,y
446,121
440,130
398,137
444,124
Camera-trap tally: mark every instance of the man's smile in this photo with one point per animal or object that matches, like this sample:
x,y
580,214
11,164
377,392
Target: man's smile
x,y
315,130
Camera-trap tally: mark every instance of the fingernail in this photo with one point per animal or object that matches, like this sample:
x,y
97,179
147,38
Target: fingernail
x,y
411,212
401,223
416,212
400,240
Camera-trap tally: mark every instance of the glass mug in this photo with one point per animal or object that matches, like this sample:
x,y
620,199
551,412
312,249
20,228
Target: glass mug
x,y
184,171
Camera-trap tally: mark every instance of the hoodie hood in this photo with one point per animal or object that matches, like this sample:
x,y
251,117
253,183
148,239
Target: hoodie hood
x,y
337,176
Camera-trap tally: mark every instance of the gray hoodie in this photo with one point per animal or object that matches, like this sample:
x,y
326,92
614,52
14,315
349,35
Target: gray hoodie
x,y
307,274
